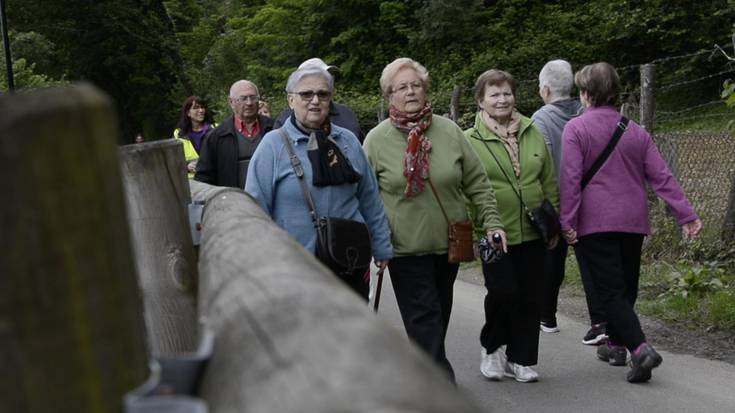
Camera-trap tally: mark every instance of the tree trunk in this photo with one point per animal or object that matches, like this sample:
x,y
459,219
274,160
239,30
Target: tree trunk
x,y
291,337
71,326
157,194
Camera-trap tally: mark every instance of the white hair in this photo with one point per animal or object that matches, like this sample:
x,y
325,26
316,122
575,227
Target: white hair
x,y
558,77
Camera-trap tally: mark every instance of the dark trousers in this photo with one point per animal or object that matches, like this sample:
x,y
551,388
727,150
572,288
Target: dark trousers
x,y
357,282
594,305
555,260
614,260
514,286
424,288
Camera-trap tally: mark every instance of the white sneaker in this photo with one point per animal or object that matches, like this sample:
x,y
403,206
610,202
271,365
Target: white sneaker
x,y
493,365
524,374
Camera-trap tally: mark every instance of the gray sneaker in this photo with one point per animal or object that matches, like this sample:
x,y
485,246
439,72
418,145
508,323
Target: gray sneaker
x,y
615,355
642,363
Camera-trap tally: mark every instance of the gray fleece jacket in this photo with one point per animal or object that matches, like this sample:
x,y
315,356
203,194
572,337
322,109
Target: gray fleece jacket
x,y
551,119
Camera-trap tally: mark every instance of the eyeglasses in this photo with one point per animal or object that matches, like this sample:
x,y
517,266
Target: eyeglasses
x,y
404,87
247,98
308,95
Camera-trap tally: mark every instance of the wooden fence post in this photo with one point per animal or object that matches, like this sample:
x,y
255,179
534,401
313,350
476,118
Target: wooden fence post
x,y
71,328
454,103
291,337
157,195
648,100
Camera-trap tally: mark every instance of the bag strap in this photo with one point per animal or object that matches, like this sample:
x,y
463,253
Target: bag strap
x,y
436,195
482,139
299,171
619,130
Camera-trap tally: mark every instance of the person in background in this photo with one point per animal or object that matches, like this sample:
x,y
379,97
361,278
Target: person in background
x,y
555,85
519,166
607,219
412,153
335,171
226,152
195,121
263,109
339,114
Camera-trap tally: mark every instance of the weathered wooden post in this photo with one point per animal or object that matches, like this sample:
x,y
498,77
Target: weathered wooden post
x,y
71,328
290,337
454,103
648,100
157,193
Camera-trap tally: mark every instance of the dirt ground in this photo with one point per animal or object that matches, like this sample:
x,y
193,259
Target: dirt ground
x,y
711,344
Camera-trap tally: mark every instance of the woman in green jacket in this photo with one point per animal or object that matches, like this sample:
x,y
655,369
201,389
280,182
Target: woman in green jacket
x,y
409,152
519,166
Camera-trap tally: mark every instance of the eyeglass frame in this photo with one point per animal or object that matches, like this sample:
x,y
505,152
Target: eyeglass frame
x,y
246,98
321,95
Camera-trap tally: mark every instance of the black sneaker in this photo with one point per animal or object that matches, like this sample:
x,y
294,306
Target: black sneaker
x,y
549,326
615,355
596,336
642,363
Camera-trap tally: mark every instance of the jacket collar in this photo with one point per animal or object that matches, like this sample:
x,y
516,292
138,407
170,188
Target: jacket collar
x,y
482,132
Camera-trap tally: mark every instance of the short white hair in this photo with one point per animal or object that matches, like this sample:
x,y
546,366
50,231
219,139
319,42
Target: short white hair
x,y
558,77
390,71
242,83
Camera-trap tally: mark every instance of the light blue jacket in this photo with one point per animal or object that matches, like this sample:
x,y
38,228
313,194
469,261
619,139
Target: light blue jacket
x,y
274,185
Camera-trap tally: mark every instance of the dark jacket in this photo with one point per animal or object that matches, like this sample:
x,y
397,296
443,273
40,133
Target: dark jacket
x,y
218,157
340,115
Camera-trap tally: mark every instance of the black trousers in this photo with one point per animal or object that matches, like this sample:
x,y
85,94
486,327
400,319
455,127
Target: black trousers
x,y
514,286
594,305
424,288
555,262
357,282
614,260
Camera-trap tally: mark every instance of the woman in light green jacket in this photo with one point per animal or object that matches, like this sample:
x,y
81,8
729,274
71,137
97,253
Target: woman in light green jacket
x,y
519,166
404,151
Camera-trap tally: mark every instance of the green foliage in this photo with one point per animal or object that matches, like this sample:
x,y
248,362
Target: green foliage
x,y
697,280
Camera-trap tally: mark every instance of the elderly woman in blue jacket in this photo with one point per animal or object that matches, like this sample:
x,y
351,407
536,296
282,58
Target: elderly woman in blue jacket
x,y
335,168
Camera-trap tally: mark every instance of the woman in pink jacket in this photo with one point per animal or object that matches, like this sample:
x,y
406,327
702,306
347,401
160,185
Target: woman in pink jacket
x,y
606,216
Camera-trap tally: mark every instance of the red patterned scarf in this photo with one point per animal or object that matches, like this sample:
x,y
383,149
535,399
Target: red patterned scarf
x,y
416,158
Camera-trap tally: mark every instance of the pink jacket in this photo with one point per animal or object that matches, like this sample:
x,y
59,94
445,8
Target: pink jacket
x,y
615,199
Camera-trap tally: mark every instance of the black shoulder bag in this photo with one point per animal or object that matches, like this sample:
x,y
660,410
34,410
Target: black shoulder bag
x,y
343,245
619,130
544,218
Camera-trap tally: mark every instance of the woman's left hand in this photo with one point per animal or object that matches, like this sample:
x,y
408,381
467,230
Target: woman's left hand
x,y
552,243
381,264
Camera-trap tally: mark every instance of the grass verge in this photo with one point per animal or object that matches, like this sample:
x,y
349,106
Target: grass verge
x,y
684,294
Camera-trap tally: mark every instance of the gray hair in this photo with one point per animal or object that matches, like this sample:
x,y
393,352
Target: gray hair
x,y
389,72
558,77
241,83
295,78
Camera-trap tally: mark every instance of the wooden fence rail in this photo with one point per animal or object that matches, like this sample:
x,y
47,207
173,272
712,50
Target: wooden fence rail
x,y
289,336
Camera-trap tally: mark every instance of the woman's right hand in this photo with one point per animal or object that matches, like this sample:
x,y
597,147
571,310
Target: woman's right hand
x,y
503,244
570,236
691,229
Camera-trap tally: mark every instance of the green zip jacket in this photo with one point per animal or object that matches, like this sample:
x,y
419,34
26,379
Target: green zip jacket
x,y
536,182
417,224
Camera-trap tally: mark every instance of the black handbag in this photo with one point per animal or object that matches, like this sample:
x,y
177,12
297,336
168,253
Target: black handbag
x,y
343,245
544,219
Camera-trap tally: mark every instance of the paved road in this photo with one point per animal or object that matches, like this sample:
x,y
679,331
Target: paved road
x,y
572,379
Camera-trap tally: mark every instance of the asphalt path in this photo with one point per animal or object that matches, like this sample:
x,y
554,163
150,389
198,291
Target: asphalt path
x,y
571,377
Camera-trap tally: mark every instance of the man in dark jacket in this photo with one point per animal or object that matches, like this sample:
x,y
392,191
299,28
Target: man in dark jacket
x,y
555,85
340,115
226,151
